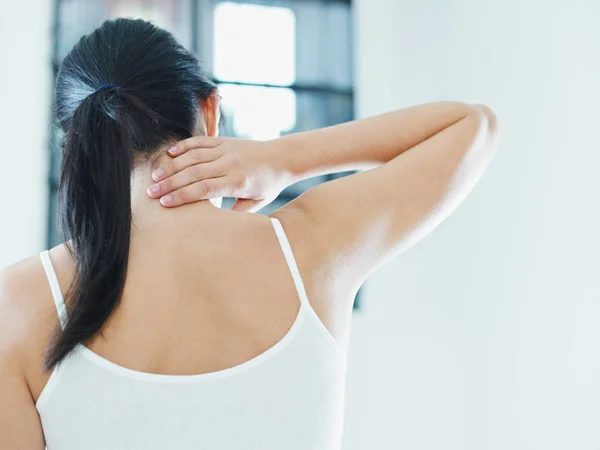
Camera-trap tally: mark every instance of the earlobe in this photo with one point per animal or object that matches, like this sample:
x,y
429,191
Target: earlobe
x,y
215,105
218,120
211,113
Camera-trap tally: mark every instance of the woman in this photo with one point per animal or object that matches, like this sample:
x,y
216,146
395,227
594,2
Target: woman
x,y
167,322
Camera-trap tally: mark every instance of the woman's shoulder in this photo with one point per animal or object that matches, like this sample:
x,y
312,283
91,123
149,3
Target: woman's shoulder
x,y
23,291
24,284
27,316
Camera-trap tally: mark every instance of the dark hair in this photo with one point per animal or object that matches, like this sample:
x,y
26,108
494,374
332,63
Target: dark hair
x,y
155,101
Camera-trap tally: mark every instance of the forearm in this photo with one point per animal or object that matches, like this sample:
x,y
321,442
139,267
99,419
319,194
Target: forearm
x,y
363,143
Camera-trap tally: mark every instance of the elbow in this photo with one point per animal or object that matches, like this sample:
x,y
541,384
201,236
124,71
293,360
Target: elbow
x,y
485,143
484,126
489,121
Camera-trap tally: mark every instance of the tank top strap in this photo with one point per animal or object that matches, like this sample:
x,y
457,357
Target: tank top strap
x,y
291,261
59,300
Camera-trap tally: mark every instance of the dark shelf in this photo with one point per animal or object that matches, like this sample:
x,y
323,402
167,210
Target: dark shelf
x,y
300,87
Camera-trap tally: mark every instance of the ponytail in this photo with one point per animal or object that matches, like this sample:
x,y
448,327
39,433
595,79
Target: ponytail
x,y
95,211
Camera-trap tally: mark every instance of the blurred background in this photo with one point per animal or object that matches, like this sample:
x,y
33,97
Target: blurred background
x,y
483,336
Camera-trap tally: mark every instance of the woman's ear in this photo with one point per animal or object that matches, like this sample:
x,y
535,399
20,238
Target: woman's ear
x,y
211,113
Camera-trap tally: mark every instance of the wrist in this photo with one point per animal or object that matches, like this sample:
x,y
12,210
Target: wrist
x,y
280,158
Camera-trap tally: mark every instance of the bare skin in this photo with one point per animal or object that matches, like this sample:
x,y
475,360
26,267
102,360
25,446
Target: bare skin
x,y
207,288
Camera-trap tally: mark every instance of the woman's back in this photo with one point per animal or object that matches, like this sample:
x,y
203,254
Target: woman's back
x,y
221,291
211,346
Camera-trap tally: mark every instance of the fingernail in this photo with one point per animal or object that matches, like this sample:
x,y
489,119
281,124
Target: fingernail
x,y
166,200
158,174
173,150
154,189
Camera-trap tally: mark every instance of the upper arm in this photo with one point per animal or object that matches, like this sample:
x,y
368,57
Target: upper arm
x,y
356,223
20,426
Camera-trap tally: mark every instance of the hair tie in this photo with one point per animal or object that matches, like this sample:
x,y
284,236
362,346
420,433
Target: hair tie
x,y
107,85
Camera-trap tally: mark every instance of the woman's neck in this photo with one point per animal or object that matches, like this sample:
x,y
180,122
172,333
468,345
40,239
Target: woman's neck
x,y
148,214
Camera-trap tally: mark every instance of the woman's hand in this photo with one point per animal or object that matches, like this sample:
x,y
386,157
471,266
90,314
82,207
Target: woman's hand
x,y
207,167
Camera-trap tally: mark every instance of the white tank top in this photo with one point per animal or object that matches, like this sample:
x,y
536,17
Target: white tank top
x,y
290,397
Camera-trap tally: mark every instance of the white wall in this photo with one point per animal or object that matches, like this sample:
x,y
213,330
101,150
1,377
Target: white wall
x,y
486,334
25,84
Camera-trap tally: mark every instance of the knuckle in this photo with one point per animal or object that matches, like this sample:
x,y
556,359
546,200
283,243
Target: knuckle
x,y
197,154
179,164
181,196
239,181
206,189
197,171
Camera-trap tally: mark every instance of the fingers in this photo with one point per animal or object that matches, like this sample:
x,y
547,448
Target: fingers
x,y
202,190
194,142
185,177
190,158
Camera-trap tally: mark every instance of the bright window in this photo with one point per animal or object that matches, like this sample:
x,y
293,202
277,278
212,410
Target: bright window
x,y
258,112
254,44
